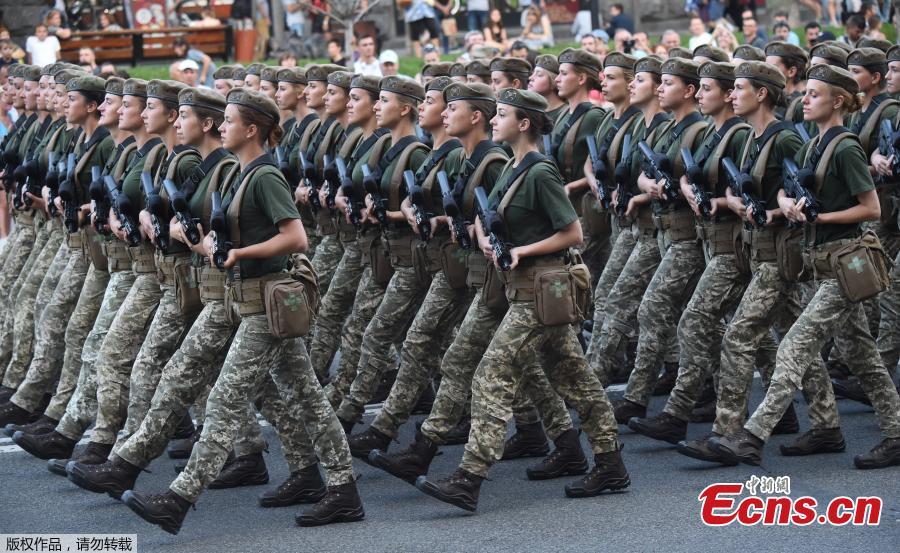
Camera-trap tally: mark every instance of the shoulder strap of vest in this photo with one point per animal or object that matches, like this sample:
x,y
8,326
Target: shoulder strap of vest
x,y
558,138
235,196
350,142
615,143
395,150
89,149
397,176
172,166
516,180
688,137
122,164
827,154
756,164
719,150
227,167
200,171
477,179
868,130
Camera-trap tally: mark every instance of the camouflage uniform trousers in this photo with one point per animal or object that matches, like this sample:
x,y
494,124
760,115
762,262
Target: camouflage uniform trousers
x,y
420,356
163,339
14,272
622,304
827,312
621,250
401,300
327,256
889,326
62,335
595,251
22,242
661,307
24,328
127,333
458,367
336,306
768,301
700,331
255,355
81,410
49,285
188,372
368,297
520,340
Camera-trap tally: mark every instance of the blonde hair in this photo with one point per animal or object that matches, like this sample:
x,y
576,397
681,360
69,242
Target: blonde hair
x,y
852,102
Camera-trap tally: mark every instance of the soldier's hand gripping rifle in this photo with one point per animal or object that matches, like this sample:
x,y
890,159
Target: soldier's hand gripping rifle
x,y
69,196
797,185
101,202
331,180
122,208
373,188
740,184
51,181
281,158
182,212
623,178
601,172
356,195
493,227
221,244
154,206
694,174
452,210
889,146
311,176
417,200
660,170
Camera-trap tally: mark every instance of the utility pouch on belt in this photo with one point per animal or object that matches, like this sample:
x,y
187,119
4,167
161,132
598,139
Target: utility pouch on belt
x,y
741,250
476,267
862,268
597,221
187,290
561,294
292,300
889,205
493,295
453,263
382,270
95,250
789,255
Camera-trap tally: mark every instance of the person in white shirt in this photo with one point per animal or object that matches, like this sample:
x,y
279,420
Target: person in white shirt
x,y
699,36
367,64
42,48
293,17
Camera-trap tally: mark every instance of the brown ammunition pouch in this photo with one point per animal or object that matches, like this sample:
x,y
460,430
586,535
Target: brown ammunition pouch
x,y
142,258
245,297
718,235
401,245
95,249
622,222
346,231
890,206
211,282
427,256
382,269
596,221
761,242
789,255
560,291
860,265
292,300
476,268
325,222
644,224
187,289
680,224
493,291
453,263
117,257
75,242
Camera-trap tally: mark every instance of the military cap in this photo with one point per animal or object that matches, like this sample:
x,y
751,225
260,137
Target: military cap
x,y
31,73
582,58
439,83
511,65
618,59
403,86
469,91
650,64
255,69
882,45
342,79
49,69
748,52
165,90
239,73
201,98
441,69
831,53
485,52
457,70
524,99
370,83
114,85
87,83
548,62
867,57
762,72
270,73
679,52
15,70
255,100
293,75
834,76
717,70
478,67
686,69
711,52
66,75
224,72
321,72
135,87
840,44
787,51
894,53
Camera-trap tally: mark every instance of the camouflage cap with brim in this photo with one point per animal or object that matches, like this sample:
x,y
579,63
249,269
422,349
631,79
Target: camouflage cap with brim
x,y
524,99
254,100
441,69
293,75
717,70
15,71
87,83
201,98
135,87
31,73
469,91
686,69
66,75
403,86
712,53
830,53
511,65
787,51
270,73
255,69
840,44
883,45
478,68
761,71
165,90
834,76
321,72
439,83
867,57
342,79
370,83
50,69
618,59
224,72
648,65
749,52
894,53
581,58
115,86
547,62
458,70
239,73
679,52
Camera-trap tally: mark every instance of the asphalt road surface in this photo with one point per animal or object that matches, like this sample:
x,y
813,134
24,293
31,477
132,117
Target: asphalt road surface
x,y
660,512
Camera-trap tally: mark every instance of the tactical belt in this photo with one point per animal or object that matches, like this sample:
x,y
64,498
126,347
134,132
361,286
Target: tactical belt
x,y
165,266
325,223
718,236
762,242
679,223
117,257
819,257
400,244
346,231
477,266
644,221
75,241
25,217
433,250
247,294
520,281
623,222
365,241
211,282
142,258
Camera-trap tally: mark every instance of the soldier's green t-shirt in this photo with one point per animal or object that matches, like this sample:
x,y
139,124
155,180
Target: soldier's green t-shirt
x,y
847,176
554,114
786,145
101,154
539,208
25,142
131,180
733,149
39,151
640,133
415,160
266,203
856,124
198,199
453,166
603,131
670,144
572,168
